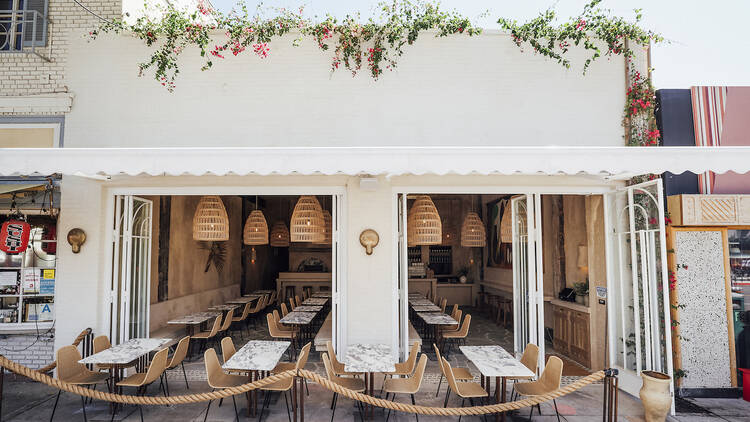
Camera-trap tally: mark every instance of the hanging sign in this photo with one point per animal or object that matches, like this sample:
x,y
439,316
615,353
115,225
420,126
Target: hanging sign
x,y
14,236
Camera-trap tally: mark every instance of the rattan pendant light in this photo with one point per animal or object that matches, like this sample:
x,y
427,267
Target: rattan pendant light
x,y
308,224
210,221
423,223
255,231
328,228
473,234
279,235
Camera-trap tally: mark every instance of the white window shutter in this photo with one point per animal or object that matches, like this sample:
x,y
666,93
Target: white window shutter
x,y
35,26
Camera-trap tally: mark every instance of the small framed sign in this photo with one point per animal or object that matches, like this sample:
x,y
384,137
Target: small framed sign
x,y
601,292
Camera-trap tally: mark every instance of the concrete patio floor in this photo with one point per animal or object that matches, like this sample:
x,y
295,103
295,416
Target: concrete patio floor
x,y
26,401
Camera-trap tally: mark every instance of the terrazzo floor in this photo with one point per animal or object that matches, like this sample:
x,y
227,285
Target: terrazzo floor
x,y
25,401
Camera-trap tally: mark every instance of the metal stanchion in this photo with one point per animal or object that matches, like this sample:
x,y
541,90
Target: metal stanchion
x,y
609,406
2,381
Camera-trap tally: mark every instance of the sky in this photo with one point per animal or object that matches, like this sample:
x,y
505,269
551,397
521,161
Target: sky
x,y
709,41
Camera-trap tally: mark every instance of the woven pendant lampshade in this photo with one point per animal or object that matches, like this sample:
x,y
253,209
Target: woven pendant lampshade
x,y
255,231
450,234
308,223
506,224
423,223
210,221
279,235
328,228
473,234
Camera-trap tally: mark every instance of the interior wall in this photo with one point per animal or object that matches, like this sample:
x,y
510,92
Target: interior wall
x,y
496,280
187,278
574,211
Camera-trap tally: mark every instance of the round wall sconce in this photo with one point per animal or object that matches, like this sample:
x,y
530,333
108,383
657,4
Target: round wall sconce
x,y
76,238
369,239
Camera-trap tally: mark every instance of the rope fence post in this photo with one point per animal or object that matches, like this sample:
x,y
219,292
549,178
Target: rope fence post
x,y
609,402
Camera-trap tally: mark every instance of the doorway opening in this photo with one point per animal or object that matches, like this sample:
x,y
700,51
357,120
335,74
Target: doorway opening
x,y
163,272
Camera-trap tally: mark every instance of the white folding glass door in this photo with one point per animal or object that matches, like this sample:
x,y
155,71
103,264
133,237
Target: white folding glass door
x,y
402,279
528,301
131,269
338,270
638,291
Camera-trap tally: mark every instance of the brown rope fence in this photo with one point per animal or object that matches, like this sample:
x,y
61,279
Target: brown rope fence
x,y
324,382
85,333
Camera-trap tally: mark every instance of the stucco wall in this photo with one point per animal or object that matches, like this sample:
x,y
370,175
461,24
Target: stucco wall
x,y
446,91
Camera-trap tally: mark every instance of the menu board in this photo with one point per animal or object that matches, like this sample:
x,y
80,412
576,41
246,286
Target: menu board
x,y
8,278
30,280
47,283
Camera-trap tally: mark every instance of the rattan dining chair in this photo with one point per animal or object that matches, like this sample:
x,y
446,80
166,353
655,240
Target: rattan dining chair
x,y
548,382
458,336
354,384
275,332
284,310
272,299
404,368
443,304
227,348
280,325
72,372
218,379
284,386
529,359
460,374
178,359
450,328
466,390
291,304
100,344
437,301
224,330
297,301
409,385
260,306
285,366
207,336
242,319
141,380
338,367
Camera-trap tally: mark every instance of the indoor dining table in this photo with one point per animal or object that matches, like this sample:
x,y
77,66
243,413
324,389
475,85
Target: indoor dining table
x,y
316,301
257,358
436,319
494,361
193,320
302,320
420,301
369,359
241,300
426,308
322,294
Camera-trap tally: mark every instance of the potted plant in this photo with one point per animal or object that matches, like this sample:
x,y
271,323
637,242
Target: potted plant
x,y
582,292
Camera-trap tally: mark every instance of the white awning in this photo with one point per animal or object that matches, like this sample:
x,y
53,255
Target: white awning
x,y
612,162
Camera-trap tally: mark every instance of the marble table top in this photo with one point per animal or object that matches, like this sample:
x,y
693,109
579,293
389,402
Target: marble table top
x,y
298,318
322,294
494,361
369,358
227,307
263,292
308,308
241,300
319,301
426,308
126,352
437,318
423,302
194,319
257,355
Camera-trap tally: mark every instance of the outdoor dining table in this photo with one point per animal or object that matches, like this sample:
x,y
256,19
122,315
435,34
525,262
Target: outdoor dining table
x,y
258,358
301,319
122,355
318,301
436,319
193,320
369,359
494,361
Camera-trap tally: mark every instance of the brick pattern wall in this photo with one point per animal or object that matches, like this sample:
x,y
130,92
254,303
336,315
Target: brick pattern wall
x,y
28,74
28,350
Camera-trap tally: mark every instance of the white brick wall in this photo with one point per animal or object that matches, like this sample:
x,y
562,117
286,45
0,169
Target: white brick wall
x,y
27,349
28,74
